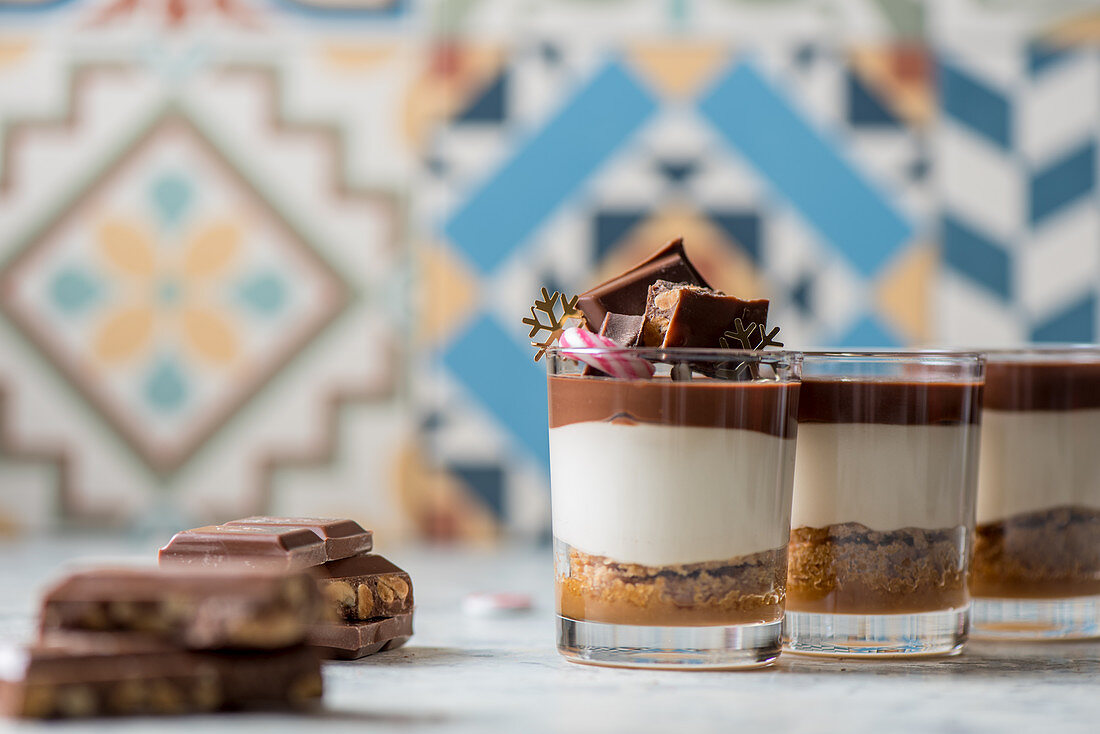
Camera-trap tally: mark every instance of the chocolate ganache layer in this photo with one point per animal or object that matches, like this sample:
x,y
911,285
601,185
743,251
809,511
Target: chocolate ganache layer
x,y
894,402
1042,385
767,407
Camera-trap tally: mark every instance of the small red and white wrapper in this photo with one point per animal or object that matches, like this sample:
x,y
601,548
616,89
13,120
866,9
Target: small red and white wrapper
x,y
616,362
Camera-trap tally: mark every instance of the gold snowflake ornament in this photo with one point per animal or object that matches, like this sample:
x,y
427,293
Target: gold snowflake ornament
x,y
554,324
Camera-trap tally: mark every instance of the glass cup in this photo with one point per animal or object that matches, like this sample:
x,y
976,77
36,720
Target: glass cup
x,y
671,506
1036,567
884,490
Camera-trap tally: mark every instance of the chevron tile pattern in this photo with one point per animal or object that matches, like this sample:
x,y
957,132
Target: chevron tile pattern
x,y
281,268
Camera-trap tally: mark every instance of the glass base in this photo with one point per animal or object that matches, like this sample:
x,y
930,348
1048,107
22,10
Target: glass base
x,y
876,635
681,648
1076,618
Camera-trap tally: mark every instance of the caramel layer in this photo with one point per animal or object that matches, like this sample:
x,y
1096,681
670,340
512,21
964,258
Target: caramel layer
x,y
896,402
744,590
851,569
767,407
1042,385
1051,554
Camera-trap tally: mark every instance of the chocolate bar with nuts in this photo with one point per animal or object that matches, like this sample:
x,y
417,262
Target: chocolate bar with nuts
x,y
352,640
250,546
123,674
343,538
627,293
686,315
365,587
194,608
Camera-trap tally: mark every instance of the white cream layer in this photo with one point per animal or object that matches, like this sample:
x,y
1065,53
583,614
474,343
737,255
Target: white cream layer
x,y
1038,459
660,495
886,477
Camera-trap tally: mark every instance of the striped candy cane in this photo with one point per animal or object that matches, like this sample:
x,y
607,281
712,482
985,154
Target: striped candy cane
x,y
616,362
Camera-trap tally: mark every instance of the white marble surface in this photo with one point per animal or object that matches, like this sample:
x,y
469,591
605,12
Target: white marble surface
x,y
469,674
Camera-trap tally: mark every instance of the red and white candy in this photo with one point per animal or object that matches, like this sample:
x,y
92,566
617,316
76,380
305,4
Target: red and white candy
x,y
617,362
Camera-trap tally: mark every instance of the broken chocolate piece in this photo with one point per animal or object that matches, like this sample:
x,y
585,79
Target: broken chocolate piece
x,y
365,587
685,315
352,640
195,608
623,329
627,293
118,674
251,546
343,538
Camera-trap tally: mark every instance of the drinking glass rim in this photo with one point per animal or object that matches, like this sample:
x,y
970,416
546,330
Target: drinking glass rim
x,y
956,356
1082,352
681,354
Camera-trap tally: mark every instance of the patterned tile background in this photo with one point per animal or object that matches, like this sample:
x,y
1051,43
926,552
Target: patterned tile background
x,y
272,255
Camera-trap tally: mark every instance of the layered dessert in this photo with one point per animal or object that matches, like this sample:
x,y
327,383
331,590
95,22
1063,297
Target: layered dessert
x,y
1038,515
671,453
883,498
669,499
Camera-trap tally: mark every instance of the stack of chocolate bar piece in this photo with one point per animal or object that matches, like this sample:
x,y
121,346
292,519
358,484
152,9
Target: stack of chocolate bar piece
x,y
238,616
119,641
369,600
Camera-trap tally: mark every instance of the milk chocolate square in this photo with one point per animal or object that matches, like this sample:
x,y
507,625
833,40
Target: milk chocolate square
x,y
343,538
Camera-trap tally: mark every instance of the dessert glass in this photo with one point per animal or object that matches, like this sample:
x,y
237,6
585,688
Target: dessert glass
x,y
671,507
1036,567
884,491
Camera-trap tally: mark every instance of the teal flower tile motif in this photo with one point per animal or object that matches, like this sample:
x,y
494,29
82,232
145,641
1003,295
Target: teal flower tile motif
x,y
171,194
73,290
166,387
265,293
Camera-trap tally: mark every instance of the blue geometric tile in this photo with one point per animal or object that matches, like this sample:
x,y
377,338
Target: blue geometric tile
x,y
344,11
500,215
869,332
801,292
1042,55
611,226
1063,182
677,171
486,481
976,256
490,106
865,109
1077,323
505,380
979,107
806,168
743,228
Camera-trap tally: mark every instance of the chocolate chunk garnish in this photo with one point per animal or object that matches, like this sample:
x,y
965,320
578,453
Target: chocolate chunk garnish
x,y
627,293
686,315
623,329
